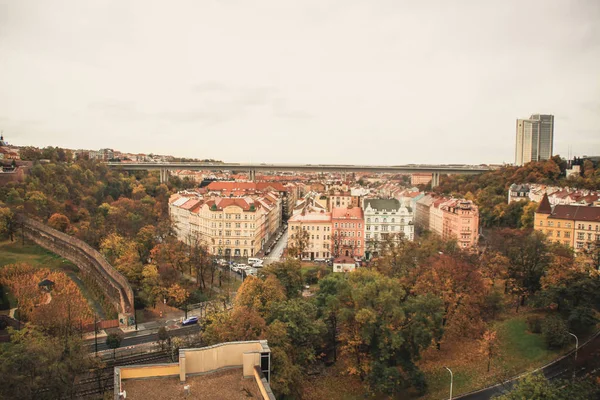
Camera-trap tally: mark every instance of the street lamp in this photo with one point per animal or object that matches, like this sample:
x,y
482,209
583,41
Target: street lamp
x,y
451,381
576,348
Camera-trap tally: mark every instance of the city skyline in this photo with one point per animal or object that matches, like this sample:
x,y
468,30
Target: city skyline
x,y
327,82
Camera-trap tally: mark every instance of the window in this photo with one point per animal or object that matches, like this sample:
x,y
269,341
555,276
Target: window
x,y
557,233
558,224
359,243
376,220
368,220
336,225
580,236
393,220
541,223
567,234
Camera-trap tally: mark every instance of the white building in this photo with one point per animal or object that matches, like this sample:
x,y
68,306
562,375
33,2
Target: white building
x,y
384,217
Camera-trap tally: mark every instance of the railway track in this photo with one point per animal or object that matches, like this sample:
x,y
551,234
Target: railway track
x,y
101,380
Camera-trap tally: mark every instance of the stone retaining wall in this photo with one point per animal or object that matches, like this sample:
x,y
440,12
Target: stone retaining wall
x,y
89,261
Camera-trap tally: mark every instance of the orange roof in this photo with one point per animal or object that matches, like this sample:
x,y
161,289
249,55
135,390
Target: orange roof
x,y
344,212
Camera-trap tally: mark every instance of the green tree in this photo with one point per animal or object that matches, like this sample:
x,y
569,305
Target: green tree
x,y
289,274
7,223
113,341
36,366
536,387
555,332
382,334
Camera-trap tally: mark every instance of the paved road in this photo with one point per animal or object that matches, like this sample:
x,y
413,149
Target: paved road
x,y
140,337
587,360
277,251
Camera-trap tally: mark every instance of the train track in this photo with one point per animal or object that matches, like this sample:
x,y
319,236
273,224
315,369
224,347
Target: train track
x,y
101,380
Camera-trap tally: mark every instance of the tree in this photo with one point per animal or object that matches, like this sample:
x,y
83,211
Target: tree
x,y
304,329
536,387
113,341
163,336
260,295
7,223
177,294
299,242
289,274
528,215
488,346
240,324
529,257
59,222
555,332
382,334
459,284
36,366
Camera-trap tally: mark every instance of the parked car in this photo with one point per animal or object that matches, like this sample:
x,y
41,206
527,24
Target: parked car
x,y
190,321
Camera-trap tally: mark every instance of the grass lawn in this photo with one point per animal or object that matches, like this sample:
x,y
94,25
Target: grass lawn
x,y
519,351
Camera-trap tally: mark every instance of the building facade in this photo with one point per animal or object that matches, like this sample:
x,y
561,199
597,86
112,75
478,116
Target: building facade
x,y
348,232
534,139
227,226
316,228
384,219
575,226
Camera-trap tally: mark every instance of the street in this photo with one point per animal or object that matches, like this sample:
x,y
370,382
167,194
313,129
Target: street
x,y
587,361
277,251
140,337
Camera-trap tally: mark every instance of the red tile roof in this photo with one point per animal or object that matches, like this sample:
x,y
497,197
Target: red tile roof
x,y
343,212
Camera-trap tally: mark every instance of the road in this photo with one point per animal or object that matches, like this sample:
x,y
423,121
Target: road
x,y
277,251
140,337
587,360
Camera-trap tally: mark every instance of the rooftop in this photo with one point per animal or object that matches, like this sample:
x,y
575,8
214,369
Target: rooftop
x,y
226,384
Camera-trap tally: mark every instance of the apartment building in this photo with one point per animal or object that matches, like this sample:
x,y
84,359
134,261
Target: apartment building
x,y
348,232
385,218
575,226
337,199
289,192
318,228
461,222
456,219
228,226
420,178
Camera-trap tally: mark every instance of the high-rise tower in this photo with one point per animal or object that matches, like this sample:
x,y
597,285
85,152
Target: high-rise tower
x,y
535,138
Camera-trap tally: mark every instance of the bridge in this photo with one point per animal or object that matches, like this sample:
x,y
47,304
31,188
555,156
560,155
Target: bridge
x,y
435,170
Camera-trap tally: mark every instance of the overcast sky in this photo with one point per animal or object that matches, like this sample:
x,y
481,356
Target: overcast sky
x,y
379,82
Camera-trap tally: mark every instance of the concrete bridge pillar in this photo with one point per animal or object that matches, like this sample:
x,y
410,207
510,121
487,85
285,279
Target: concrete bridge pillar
x,y
435,179
164,175
252,175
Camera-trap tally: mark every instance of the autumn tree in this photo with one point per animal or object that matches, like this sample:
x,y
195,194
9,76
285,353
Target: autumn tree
x,y
488,346
459,284
7,223
260,295
383,335
289,275
36,366
59,222
529,257
242,323
298,243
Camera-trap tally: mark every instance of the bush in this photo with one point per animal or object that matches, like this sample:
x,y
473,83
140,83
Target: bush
x,y
555,332
581,319
534,322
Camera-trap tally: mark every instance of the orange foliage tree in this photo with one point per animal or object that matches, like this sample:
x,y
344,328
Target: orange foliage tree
x,y
63,304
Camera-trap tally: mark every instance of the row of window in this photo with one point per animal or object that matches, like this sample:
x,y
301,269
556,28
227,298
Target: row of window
x,y
347,225
311,228
347,233
384,220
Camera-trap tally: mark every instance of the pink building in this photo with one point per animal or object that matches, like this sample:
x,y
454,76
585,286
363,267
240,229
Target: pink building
x,y
420,178
460,222
348,231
